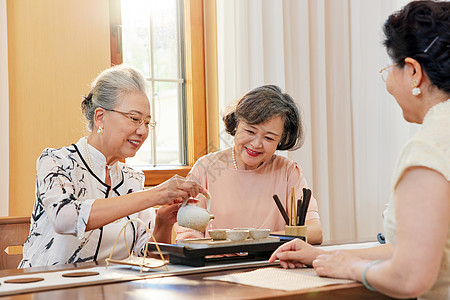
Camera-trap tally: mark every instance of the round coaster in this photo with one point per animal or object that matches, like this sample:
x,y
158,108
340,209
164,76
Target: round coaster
x,y
24,280
80,274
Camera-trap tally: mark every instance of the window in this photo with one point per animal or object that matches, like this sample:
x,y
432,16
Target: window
x,y
187,142
152,35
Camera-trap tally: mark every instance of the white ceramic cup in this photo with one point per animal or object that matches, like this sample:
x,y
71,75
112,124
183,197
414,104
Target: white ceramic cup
x,y
237,234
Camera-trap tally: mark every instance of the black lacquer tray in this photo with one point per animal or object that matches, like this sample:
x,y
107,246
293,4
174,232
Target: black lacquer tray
x,y
199,252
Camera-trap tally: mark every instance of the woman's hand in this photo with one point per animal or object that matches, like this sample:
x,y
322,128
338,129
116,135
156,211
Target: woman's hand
x,y
167,214
295,254
338,264
177,189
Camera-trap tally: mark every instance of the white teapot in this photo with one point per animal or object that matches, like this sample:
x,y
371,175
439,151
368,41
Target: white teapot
x,y
193,216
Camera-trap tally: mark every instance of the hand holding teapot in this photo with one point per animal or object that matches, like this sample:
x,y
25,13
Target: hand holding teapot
x,y
193,216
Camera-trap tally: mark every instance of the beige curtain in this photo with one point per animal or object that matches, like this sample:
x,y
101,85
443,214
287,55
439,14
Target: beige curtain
x,y
4,113
326,54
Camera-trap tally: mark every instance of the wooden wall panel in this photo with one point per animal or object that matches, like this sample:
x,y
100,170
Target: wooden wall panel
x,y
56,48
211,76
195,80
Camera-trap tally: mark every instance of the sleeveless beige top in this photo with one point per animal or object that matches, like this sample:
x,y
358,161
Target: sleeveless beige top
x,y
430,148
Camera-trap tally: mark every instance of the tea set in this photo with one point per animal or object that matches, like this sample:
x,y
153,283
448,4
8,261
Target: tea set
x,y
197,218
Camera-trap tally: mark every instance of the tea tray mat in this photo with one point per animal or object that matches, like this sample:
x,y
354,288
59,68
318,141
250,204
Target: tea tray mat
x,y
280,279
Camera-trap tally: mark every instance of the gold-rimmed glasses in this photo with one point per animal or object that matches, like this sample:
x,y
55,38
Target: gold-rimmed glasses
x,y
136,119
385,71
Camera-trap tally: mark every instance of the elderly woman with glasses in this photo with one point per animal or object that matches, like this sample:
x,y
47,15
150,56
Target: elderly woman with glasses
x,y
415,261
85,195
243,179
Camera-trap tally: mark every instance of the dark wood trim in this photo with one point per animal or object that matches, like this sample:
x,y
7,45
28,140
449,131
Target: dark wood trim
x,y
15,220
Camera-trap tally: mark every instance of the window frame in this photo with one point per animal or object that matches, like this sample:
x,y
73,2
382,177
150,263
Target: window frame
x,y
194,51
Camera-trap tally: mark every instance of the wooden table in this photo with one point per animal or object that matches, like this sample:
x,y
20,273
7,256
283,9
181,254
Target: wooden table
x,y
185,287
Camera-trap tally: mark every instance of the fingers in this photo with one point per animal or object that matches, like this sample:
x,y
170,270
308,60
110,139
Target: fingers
x,y
273,257
190,187
286,264
316,263
193,200
294,254
178,189
319,264
285,247
172,207
168,213
289,246
168,210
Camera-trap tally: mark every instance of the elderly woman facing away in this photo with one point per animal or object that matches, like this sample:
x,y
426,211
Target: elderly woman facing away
x,y
85,195
415,262
243,179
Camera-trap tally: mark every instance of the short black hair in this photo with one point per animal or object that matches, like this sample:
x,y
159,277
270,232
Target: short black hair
x,y
260,105
421,30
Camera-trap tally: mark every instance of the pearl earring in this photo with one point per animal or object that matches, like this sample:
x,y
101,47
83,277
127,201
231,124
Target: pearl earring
x,y
416,90
100,130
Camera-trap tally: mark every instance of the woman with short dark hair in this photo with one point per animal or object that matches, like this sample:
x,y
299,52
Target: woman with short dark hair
x,y
243,179
415,261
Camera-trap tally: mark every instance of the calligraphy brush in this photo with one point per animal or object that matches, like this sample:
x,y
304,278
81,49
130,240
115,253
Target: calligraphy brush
x,y
306,199
281,208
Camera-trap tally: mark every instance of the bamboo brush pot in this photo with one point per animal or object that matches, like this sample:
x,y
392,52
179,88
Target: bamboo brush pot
x,y
299,231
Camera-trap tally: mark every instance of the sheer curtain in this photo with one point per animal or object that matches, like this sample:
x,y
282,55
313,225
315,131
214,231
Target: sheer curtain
x,y
326,54
4,113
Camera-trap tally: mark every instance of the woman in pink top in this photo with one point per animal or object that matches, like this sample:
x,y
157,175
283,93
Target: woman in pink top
x,y
242,179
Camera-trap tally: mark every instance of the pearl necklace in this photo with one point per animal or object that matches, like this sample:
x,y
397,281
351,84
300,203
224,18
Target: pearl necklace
x,y
88,157
234,159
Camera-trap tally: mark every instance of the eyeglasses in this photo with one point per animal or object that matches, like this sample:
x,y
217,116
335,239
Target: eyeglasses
x,y
385,71
138,121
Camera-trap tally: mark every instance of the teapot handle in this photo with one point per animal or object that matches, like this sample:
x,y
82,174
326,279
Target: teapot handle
x,y
207,196
185,202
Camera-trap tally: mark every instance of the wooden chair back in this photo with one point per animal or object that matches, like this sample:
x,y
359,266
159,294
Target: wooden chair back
x,y
13,233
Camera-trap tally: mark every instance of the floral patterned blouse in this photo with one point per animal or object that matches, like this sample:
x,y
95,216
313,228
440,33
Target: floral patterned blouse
x,y
66,188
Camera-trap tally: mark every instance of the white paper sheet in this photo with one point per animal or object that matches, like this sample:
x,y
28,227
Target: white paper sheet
x,y
350,246
280,279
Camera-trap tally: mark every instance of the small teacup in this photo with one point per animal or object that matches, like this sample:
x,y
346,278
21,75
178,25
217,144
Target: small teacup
x,y
258,234
237,234
218,234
